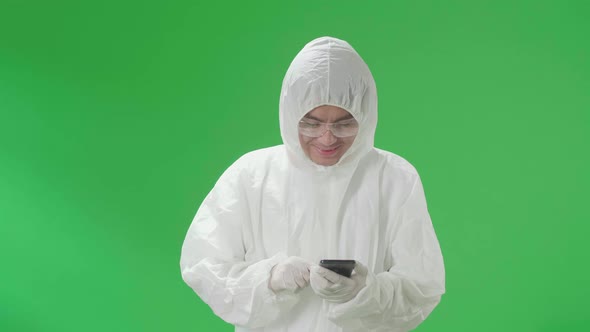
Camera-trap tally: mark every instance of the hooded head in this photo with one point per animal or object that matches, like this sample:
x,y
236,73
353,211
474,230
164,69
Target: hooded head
x,y
328,71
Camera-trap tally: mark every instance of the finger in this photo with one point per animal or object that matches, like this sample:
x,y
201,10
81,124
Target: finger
x,y
320,272
341,289
317,271
330,275
300,281
306,276
290,282
317,282
361,269
303,268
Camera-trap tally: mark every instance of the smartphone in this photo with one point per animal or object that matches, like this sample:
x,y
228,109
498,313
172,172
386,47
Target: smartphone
x,y
343,267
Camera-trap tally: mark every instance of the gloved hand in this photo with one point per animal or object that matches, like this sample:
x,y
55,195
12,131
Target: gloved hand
x,y
291,274
335,288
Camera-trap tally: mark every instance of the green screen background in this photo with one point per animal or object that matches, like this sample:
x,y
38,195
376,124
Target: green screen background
x,y
117,118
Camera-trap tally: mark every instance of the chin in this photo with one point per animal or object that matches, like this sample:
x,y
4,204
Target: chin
x,y
325,161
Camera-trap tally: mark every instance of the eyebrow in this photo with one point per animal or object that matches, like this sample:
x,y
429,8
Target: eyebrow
x,y
346,117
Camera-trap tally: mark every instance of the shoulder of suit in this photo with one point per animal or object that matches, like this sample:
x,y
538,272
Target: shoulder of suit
x,y
395,163
259,160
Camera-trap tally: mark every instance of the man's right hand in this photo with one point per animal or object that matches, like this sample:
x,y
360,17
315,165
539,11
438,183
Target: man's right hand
x,y
291,274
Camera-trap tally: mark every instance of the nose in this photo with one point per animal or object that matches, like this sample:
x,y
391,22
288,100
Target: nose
x,y
327,138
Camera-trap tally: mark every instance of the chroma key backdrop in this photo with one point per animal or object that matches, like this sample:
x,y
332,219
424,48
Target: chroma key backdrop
x,y
117,118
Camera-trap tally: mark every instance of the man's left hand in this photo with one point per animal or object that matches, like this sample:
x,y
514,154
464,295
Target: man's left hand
x,y
335,288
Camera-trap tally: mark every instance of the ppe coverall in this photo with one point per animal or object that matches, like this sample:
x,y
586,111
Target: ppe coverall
x,y
275,203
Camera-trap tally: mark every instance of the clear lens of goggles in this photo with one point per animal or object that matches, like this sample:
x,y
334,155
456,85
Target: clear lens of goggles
x,y
344,128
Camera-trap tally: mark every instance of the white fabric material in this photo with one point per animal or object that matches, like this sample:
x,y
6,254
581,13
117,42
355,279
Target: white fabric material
x,y
275,203
335,288
292,274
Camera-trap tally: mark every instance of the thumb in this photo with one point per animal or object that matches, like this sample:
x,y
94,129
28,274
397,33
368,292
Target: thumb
x,y
361,269
329,275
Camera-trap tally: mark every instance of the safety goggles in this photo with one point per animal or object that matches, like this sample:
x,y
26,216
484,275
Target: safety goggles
x,y
341,129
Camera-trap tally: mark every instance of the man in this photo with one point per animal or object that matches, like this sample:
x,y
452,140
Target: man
x,y
252,250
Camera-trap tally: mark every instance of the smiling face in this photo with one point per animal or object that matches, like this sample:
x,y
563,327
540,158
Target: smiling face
x,y
327,149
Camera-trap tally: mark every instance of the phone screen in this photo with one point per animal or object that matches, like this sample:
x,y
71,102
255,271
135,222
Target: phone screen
x,y
343,267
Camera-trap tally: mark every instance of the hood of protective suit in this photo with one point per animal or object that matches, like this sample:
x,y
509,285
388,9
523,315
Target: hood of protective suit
x,y
328,71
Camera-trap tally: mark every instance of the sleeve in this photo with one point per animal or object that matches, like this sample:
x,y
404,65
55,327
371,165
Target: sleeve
x,y
402,297
213,260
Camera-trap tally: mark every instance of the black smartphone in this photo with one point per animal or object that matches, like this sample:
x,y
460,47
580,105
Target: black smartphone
x,y
343,267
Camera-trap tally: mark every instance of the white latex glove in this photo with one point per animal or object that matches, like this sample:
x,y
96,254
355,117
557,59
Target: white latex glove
x,y
291,274
335,288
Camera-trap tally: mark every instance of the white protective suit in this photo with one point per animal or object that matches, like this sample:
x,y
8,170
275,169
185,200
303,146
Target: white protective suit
x,y
275,203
